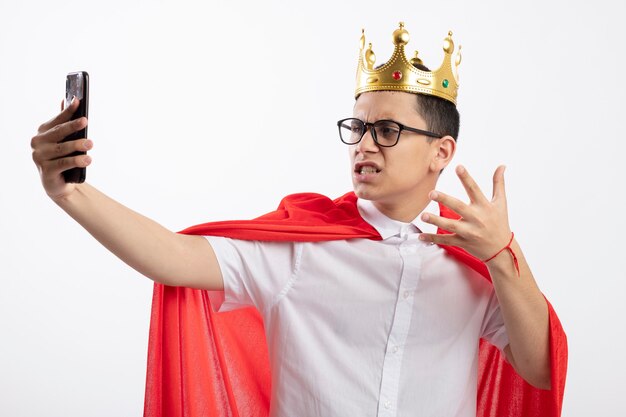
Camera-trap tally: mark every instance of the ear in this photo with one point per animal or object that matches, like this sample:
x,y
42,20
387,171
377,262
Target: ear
x,y
443,152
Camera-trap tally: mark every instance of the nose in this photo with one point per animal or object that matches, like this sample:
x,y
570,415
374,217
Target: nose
x,y
367,143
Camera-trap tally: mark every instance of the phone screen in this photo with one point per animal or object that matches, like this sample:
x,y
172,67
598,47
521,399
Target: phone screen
x,y
75,86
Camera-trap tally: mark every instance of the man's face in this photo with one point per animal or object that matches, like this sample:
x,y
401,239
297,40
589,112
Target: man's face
x,y
405,172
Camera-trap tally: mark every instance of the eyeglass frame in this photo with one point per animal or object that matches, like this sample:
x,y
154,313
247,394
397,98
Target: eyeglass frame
x,y
370,126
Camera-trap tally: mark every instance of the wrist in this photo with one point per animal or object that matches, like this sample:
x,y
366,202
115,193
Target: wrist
x,y
502,263
504,259
70,197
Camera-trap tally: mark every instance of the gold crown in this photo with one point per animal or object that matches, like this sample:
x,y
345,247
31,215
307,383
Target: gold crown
x,y
399,74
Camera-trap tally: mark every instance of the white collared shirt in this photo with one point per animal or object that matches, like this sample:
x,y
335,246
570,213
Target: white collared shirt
x,y
362,327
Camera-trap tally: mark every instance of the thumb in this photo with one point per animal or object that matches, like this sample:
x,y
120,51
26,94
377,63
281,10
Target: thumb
x,y
498,183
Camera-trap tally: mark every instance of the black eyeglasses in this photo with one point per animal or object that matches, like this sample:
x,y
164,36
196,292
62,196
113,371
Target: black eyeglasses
x,y
385,133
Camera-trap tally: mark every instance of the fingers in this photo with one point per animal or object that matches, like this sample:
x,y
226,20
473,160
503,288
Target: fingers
x,y
472,189
64,116
449,225
52,155
448,240
498,183
52,151
56,166
455,204
58,132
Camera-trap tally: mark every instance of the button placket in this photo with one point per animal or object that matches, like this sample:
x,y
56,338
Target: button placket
x,y
392,363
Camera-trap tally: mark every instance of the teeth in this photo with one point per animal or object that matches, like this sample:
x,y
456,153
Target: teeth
x,y
368,170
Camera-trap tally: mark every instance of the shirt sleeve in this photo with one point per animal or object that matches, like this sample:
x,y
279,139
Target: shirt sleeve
x,y
254,272
493,324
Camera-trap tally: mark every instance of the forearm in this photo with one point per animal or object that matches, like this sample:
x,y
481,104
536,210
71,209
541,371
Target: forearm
x,y
525,314
140,242
159,254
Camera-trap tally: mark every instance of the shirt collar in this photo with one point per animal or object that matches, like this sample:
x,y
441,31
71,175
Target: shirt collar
x,y
388,227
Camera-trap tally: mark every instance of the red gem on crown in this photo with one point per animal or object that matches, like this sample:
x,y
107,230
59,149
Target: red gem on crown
x,y
396,75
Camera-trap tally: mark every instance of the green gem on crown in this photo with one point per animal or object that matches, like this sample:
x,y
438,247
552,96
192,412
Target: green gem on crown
x,y
445,83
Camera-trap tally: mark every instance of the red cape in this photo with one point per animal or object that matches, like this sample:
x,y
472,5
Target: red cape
x,y
205,364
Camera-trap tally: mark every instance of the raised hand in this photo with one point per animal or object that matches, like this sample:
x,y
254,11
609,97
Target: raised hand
x,y
483,228
51,155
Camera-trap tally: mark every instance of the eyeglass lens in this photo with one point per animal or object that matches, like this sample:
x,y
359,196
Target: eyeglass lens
x,y
386,133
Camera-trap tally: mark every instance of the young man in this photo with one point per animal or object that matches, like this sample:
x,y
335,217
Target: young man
x,y
387,325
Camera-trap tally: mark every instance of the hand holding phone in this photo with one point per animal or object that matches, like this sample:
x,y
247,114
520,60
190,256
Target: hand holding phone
x,y
77,85
52,152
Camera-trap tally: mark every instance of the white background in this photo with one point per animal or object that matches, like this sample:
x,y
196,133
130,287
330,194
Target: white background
x,y
215,110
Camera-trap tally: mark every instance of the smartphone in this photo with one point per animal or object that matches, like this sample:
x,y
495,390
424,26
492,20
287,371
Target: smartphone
x,y
77,85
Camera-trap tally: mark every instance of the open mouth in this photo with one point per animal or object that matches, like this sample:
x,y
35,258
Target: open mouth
x,y
367,170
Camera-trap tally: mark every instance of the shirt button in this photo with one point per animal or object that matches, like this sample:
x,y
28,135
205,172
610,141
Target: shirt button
x,y
406,294
394,349
387,404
